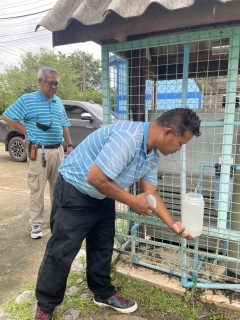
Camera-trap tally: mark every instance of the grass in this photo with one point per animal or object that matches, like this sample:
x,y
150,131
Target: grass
x,y
153,300
154,303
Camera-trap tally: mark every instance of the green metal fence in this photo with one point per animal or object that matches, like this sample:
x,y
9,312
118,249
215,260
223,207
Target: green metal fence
x,y
199,70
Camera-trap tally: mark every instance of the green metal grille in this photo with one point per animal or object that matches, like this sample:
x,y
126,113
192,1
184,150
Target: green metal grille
x,y
198,70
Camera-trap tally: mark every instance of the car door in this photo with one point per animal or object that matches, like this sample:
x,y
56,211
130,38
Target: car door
x,y
80,128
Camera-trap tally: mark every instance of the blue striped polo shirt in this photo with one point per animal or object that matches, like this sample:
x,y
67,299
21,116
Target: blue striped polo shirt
x,y
34,107
119,150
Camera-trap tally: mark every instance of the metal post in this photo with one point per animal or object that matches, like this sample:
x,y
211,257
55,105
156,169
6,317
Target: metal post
x,y
183,150
228,130
84,76
105,85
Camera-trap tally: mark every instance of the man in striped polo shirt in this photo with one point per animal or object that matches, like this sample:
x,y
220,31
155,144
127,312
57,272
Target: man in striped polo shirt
x,y
45,128
91,178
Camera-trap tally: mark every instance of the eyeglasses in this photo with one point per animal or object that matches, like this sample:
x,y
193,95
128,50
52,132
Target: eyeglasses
x,y
52,84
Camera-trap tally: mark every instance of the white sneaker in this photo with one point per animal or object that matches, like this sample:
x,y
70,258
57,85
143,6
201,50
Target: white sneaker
x,y
36,232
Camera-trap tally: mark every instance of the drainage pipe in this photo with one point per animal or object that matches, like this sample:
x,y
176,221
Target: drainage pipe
x,y
233,269
198,282
201,283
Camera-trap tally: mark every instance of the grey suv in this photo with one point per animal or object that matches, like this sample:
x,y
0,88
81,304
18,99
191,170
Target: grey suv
x,y
85,117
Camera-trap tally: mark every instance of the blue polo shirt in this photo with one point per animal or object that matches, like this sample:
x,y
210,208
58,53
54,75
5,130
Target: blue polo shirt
x,y
34,107
119,150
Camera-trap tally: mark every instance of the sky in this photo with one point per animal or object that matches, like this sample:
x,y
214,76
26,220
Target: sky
x,y
18,20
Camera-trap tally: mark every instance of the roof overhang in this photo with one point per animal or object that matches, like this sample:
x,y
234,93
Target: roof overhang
x,y
68,23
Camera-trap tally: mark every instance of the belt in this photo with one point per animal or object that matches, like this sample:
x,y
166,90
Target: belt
x,y
49,146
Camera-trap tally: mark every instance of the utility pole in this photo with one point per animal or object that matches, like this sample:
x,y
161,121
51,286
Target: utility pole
x,y
84,77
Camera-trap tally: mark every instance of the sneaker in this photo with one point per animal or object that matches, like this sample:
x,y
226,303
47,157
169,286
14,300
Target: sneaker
x,y
40,315
36,232
117,302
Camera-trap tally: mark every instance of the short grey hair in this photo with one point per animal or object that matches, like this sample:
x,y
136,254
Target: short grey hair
x,y
43,73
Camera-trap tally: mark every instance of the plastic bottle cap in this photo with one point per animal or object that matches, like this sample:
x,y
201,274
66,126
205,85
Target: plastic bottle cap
x,y
151,200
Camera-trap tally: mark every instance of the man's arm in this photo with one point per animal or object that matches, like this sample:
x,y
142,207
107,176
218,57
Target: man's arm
x,y
163,213
16,125
67,138
109,188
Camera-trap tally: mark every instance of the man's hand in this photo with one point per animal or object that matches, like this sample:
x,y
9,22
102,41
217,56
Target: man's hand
x,y
69,150
141,206
178,228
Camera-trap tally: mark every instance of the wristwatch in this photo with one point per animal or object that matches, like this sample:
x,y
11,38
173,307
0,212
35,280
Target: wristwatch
x,y
70,145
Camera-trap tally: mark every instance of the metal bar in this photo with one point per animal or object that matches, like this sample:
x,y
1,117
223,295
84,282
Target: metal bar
x,y
232,79
209,231
174,39
184,105
219,123
182,253
105,86
176,248
183,150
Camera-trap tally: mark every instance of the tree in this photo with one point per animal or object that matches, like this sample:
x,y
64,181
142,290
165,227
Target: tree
x,y
18,80
92,67
96,97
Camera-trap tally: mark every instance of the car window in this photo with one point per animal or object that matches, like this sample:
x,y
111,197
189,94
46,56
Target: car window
x,y
73,111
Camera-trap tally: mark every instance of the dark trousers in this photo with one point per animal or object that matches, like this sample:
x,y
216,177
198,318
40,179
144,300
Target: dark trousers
x,y
74,217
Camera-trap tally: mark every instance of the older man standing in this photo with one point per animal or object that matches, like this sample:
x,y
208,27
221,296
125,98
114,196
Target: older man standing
x,y
45,127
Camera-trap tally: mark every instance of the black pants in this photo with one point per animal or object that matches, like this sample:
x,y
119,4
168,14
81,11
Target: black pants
x,y
74,217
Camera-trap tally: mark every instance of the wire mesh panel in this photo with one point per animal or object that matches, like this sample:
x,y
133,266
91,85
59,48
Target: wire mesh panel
x,y
199,70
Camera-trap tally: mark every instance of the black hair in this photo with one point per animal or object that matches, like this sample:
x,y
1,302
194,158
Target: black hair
x,y
180,120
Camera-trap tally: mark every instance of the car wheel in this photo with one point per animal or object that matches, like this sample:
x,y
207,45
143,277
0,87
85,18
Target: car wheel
x,y
16,149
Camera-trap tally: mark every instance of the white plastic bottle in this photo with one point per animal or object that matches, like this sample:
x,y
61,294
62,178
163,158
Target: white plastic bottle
x,y
192,213
151,200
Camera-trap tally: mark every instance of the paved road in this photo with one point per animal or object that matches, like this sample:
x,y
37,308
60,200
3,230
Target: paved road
x,y
20,256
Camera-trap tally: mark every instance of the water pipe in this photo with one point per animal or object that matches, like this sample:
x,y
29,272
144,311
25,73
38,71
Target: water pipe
x,y
202,283
195,281
201,172
185,282
195,259
202,259
196,241
119,238
131,240
123,247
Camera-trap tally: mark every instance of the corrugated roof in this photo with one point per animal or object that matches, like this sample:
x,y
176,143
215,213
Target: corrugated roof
x,y
91,12
111,21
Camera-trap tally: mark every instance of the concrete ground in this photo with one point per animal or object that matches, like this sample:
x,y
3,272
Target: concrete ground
x,y
20,256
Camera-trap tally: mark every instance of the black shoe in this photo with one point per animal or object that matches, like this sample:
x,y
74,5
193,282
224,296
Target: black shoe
x,y
116,302
40,315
